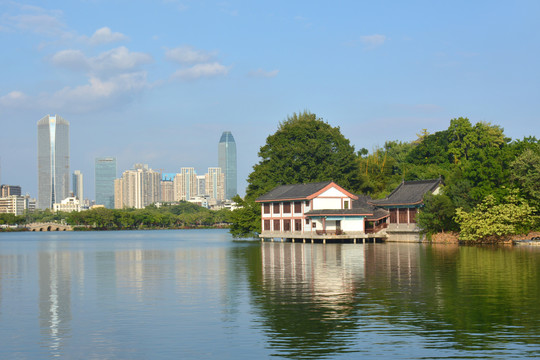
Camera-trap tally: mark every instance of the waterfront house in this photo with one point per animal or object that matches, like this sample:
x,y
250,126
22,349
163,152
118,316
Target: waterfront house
x,y
322,210
403,204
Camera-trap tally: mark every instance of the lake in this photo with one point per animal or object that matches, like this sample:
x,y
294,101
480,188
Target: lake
x,y
195,294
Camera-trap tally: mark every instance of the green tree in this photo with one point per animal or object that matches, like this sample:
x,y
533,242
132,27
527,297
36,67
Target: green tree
x,y
525,170
437,215
492,220
304,149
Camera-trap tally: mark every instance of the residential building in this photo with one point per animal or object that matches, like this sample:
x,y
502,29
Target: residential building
x,y
105,173
227,163
137,188
185,184
201,185
167,188
53,160
78,189
8,190
12,204
215,184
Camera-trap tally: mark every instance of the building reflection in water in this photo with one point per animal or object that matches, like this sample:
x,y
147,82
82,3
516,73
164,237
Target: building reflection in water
x,y
55,296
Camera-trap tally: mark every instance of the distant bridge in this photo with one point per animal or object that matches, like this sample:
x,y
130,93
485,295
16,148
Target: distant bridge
x,y
48,227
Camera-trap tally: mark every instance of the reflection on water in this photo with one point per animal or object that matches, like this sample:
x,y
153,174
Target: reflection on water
x,y
197,294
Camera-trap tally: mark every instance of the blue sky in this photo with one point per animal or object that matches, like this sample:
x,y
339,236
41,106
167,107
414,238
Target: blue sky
x,y
157,82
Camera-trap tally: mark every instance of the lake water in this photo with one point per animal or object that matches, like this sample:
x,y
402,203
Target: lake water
x,y
194,294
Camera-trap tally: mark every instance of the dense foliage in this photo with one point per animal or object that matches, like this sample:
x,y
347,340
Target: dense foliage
x,y
183,215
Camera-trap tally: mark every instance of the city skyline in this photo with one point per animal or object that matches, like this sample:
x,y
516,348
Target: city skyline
x,y
162,93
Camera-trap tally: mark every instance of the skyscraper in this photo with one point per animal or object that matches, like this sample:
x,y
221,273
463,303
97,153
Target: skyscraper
x,y
105,173
227,163
78,189
53,161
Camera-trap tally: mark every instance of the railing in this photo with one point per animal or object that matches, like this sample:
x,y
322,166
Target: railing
x,y
376,229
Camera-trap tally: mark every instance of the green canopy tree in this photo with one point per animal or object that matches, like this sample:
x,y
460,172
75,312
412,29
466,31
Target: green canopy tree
x,y
304,149
525,170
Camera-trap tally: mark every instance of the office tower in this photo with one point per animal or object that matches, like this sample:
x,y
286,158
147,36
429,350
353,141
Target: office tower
x,y
215,183
227,163
137,188
53,161
105,173
185,184
78,190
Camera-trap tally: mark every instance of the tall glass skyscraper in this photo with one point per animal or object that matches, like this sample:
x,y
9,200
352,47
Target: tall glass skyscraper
x,y
105,173
227,163
53,161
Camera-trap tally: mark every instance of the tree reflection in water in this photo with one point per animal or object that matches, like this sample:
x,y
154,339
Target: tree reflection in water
x,y
316,300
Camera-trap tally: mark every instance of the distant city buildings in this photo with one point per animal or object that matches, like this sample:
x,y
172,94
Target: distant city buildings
x,y
68,205
13,202
8,190
105,175
227,163
53,161
137,188
215,184
78,189
185,184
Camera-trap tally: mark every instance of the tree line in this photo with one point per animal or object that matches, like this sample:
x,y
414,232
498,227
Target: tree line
x,y
182,215
492,183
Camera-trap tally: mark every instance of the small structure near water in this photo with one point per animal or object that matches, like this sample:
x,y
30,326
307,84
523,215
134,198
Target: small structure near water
x,y
324,211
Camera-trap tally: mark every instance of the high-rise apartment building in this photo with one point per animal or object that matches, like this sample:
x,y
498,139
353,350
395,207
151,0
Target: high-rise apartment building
x,y
185,184
53,161
167,188
105,173
78,189
215,184
227,163
137,188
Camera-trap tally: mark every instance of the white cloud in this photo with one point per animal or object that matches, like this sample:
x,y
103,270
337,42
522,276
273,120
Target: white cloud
x,y
263,73
188,55
373,40
201,70
108,63
105,36
13,99
35,19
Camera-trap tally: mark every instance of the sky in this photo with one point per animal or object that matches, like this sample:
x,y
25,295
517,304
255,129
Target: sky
x,y
157,82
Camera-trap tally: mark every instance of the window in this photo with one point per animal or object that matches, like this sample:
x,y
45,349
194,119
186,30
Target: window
x,y
266,225
297,207
307,221
276,208
307,204
266,208
297,225
276,225
287,225
346,204
286,207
